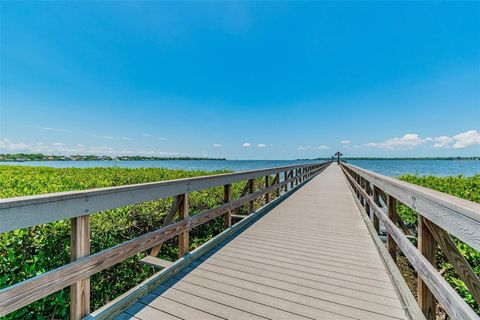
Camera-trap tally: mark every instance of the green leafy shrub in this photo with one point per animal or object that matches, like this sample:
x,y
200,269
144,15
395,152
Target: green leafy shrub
x,y
28,252
463,187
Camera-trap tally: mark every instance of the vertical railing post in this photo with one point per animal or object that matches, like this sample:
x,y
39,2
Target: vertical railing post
x,y
362,185
392,215
250,190
367,206
427,247
285,178
291,176
184,237
277,181
80,290
376,199
227,197
267,184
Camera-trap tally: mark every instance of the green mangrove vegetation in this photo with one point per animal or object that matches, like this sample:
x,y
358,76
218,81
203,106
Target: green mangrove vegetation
x,y
462,187
31,251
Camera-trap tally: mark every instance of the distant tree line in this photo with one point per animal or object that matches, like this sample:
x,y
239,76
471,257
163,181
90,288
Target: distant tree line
x,y
19,157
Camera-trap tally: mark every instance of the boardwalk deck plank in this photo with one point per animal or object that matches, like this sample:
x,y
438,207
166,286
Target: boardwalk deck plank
x,y
311,257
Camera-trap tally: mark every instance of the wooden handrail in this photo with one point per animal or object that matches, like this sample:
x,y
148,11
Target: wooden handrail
x,y
458,217
431,284
83,265
28,211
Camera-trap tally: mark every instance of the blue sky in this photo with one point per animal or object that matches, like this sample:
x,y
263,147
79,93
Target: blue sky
x,y
242,80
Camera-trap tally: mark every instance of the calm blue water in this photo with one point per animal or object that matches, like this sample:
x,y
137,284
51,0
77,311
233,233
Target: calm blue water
x,y
387,167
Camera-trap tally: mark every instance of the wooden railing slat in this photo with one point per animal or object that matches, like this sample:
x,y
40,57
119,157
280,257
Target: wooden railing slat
x,y
455,306
172,213
227,197
458,217
461,266
427,247
22,212
21,294
184,237
80,247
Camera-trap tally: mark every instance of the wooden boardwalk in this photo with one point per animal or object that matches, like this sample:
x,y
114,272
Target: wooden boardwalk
x,y
310,257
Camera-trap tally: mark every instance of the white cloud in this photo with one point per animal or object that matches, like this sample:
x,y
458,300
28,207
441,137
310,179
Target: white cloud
x,y
162,138
126,139
217,145
345,141
408,141
52,129
304,148
8,146
322,147
107,137
442,142
146,134
246,145
261,145
465,139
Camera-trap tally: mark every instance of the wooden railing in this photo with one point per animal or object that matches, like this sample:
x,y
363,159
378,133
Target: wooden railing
x,y
439,216
22,212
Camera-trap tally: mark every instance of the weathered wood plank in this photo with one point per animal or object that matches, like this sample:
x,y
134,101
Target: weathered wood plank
x,y
445,294
184,237
392,215
267,184
376,199
427,247
80,290
21,294
22,212
251,188
156,262
459,217
449,248
227,197
276,181
408,299
28,291
168,220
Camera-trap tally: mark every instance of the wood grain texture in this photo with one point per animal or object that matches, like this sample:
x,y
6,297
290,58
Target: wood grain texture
x,y
172,213
408,299
227,197
156,262
22,212
392,215
267,184
276,181
21,294
184,237
427,247
80,290
28,291
376,199
251,188
285,266
444,293
449,248
459,217
127,299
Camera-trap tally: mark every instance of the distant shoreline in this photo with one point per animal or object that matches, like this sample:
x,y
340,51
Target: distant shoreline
x,y
26,157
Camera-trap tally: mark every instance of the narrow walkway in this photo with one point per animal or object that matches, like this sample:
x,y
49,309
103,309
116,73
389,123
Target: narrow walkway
x,y
311,257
